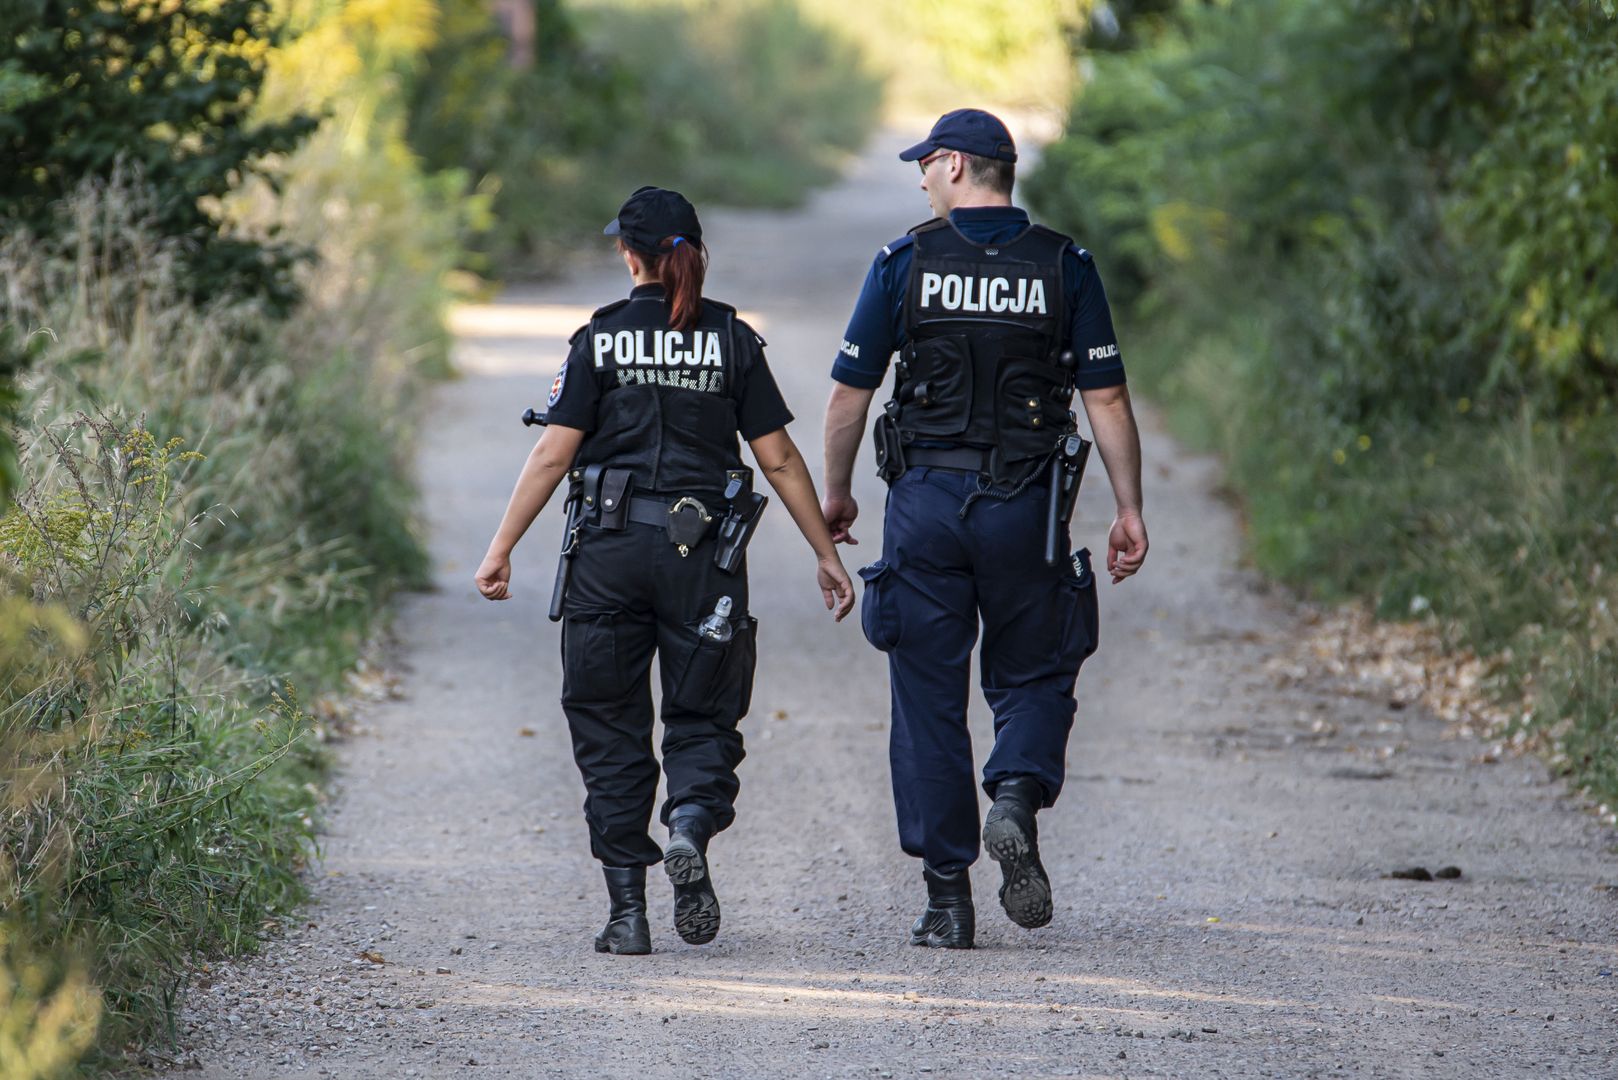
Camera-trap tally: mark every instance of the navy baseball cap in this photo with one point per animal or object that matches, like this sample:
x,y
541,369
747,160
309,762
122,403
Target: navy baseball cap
x,y
971,131
651,214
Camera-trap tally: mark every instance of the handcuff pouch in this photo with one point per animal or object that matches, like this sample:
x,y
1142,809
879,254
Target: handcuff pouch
x,y
688,523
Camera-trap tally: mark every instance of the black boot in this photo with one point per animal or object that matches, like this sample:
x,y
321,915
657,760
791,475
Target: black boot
x,y
1012,839
948,922
685,859
626,932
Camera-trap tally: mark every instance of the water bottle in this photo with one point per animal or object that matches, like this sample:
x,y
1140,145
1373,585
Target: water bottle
x,y
716,627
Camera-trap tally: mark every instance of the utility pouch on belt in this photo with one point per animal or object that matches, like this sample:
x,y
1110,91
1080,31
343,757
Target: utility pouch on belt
x,y
617,486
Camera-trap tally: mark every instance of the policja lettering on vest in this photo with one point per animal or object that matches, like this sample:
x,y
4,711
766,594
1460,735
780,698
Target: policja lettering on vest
x,y
958,292
628,348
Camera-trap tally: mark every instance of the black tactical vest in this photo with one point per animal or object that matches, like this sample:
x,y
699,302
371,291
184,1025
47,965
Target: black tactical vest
x,y
670,413
986,324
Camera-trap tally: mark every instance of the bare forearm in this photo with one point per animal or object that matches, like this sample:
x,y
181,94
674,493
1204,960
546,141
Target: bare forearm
x,y
845,428
783,466
547,464
1112,421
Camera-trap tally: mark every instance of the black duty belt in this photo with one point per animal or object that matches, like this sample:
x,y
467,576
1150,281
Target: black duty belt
x,y
651,510
962,458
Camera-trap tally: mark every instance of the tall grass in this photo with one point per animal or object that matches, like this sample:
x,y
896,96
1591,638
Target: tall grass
x,y
216,505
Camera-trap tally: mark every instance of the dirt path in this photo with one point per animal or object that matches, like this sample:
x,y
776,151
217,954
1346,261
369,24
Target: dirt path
x,y
1217,856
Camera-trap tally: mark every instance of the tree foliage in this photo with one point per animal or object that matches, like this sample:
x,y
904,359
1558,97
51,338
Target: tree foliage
x,y
167,89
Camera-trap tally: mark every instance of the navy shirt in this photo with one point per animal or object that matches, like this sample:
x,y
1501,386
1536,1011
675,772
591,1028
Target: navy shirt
x,y
576,392
876,330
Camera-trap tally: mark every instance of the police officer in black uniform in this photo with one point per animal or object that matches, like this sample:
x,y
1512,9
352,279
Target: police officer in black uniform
x,y
642,422
997,323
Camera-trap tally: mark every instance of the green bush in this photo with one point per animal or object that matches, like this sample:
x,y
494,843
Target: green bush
x,y
1365,251
165,89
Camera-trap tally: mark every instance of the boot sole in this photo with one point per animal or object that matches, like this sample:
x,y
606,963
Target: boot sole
x,y
696,908
629,948
1025,891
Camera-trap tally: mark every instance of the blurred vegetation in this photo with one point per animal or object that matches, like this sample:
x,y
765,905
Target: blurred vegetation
x,y
937,55
743,102
1368,253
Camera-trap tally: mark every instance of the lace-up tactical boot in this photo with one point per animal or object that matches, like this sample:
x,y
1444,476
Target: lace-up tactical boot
x,y
949,921
626,932
1011,838
685,859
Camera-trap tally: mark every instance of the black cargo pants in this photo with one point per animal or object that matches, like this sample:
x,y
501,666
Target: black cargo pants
x,y
633,594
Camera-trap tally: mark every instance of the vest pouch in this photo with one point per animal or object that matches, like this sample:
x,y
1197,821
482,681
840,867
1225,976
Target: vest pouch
x,y
1031,408
716,677
937,398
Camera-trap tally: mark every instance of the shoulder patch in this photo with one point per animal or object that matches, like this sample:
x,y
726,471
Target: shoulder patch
x,y
556,387
608,309
888,250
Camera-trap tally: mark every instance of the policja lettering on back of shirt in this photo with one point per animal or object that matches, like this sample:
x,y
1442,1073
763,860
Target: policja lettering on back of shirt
x,y
644,423
989,360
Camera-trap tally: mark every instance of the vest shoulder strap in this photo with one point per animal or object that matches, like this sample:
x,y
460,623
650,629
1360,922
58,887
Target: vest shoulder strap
x,y
930,225
608,309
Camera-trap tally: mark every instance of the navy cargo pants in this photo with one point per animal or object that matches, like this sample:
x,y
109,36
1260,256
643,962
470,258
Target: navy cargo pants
x,y
940,575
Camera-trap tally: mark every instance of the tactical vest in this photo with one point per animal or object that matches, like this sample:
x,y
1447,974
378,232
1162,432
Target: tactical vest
x,y
987,325
671,417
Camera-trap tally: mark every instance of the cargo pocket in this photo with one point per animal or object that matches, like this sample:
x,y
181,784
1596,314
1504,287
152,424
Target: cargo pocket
x,y
879,616
592,669
1082,621
717,676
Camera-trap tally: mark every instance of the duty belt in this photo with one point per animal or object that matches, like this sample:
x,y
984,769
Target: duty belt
x,y
962,458
651,510
686,520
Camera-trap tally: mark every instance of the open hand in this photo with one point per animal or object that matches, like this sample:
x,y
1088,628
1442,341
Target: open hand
x,y
835,588
494,577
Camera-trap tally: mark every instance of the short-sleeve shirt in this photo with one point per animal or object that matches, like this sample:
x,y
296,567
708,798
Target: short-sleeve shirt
x,y
760,409
877,328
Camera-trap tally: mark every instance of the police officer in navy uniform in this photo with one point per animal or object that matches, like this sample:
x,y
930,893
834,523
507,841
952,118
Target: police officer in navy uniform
x,y
997,322
642,422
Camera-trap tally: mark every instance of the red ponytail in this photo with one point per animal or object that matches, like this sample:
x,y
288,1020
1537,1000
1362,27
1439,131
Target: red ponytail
x,y
681,265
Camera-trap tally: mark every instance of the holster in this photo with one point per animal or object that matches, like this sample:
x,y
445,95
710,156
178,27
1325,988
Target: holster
x,y
889,443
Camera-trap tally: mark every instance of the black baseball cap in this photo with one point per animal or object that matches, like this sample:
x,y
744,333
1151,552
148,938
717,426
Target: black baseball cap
x,y
650,215
971,131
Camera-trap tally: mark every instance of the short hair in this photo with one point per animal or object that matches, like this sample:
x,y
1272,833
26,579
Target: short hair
x,y
992,173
